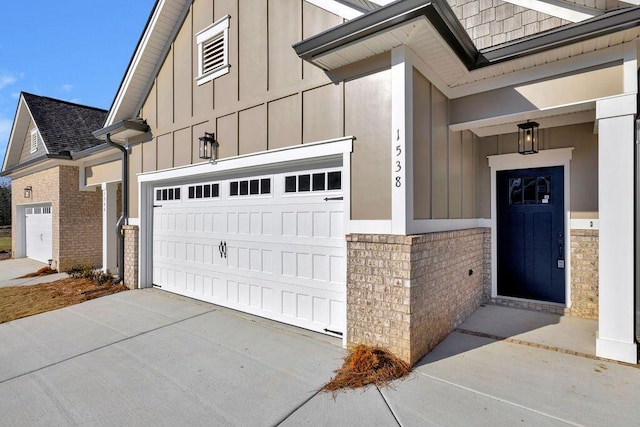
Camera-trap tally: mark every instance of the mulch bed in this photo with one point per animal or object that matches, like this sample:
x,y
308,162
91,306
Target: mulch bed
x,y
366,365
23,301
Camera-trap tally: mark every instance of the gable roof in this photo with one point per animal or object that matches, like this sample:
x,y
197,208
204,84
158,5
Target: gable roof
x,y
64,128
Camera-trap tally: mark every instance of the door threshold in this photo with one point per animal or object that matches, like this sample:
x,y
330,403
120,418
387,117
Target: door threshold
x,y
530,304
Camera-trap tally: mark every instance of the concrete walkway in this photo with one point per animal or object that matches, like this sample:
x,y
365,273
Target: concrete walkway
x,y
147,357
11,269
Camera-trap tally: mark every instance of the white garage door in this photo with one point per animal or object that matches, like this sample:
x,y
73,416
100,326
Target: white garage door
x,y
38,235
270,245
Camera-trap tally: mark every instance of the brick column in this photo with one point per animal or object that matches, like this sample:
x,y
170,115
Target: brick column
x,y
130,256
407,293
584,274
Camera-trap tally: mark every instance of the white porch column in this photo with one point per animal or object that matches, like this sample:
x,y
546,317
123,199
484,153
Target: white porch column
x,y
109,218
615,118
402,141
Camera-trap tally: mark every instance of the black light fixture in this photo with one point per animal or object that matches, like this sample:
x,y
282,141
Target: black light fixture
x,y
27,192
528,137
209,147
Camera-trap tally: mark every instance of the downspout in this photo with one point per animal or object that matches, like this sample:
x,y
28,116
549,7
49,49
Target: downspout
x,y
124,216
637,214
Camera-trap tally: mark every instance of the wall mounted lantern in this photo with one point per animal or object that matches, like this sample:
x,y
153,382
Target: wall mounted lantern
x,y
528,137
27,192
209,147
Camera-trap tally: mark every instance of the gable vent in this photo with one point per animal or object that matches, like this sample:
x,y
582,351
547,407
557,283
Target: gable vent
x,y
213,51
213,54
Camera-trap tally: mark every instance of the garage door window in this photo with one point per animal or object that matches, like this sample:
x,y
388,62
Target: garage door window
x,y
167,194
204,191
250,187
323,181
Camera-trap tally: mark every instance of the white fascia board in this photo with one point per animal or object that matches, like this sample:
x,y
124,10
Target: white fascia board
x,y
560,9
297,153
21,103
138,57
336,8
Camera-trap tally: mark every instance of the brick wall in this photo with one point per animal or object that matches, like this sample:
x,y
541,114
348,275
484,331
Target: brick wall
x,y
584,274
76,215
45,189
407,293
131,256
80,222
491,22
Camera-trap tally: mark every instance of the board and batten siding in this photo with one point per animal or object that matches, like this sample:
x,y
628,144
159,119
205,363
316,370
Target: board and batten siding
x,y
269,99
443,167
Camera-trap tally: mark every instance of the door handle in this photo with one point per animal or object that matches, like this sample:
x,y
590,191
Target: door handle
x,y
222,248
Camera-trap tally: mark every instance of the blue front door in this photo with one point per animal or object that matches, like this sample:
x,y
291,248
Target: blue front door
x,y
531,253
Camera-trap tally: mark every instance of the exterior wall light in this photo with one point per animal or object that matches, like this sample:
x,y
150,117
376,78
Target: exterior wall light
x,y
209,147
528,137
28,191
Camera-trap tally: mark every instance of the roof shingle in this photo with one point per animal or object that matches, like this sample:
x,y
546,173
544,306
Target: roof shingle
x,y
65,126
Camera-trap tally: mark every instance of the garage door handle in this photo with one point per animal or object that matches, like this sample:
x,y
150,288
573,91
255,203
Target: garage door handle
x,y
222,248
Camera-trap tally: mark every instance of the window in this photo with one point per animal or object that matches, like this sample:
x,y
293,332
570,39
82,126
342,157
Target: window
x,y
204,191
322,181
213,51
34,141
530,190
251,187
167,194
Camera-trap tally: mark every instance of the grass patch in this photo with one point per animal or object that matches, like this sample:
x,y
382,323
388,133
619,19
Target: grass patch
x,y
23,301
366,365
5,243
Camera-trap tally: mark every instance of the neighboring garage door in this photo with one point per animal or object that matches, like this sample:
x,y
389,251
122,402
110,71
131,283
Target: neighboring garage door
x,y
271,245
38,235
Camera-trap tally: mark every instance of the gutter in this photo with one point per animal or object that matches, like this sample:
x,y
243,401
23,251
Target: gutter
x,y
64,155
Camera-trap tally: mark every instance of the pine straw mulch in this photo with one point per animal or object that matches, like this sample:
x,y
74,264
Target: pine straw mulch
x,y
23,301
44,271
366,365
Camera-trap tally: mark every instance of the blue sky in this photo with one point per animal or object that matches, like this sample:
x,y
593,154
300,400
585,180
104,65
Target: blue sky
x,y
76,50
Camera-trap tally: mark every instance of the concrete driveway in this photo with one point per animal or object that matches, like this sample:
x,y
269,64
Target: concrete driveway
x,y
11,269
147,357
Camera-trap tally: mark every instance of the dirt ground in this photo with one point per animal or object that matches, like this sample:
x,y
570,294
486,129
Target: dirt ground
x,y
23,301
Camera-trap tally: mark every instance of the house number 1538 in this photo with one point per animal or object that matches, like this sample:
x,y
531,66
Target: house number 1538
x,y
398,168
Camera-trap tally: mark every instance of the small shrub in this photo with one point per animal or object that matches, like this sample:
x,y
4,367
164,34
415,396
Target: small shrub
x,y
75,271
100,277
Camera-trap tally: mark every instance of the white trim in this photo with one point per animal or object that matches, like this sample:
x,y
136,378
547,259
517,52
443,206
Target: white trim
x,y
220,27
588,116
559,9
545,158
299,154
585,224
370,226
342,10
616,106
401,141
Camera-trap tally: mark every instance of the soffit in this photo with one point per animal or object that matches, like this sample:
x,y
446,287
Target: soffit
x,y
148,57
